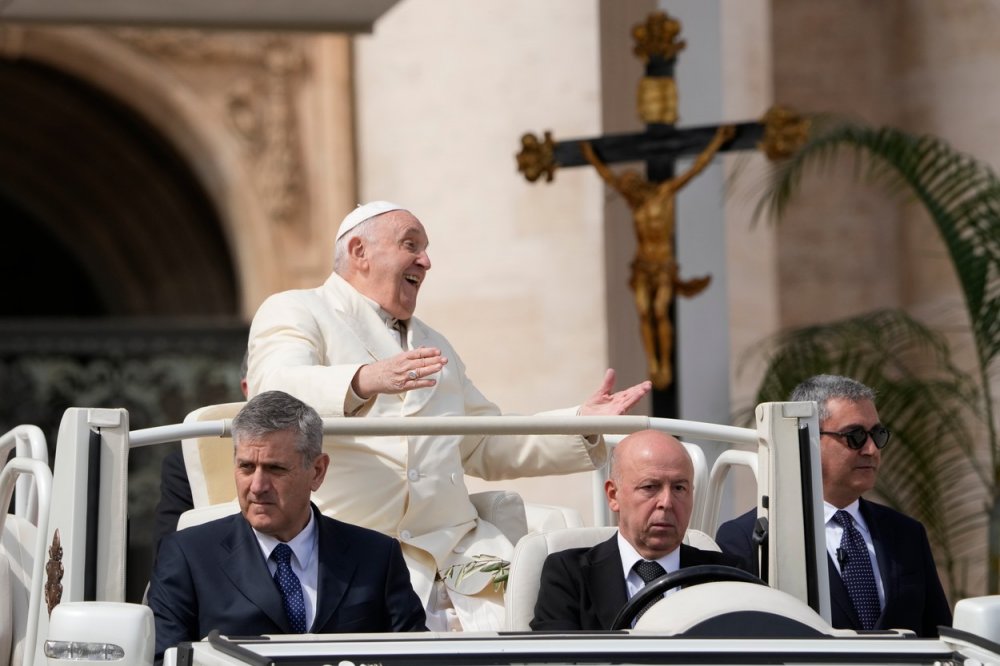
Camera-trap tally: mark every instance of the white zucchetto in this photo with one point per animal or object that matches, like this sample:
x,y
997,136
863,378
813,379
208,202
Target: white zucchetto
x,y
365,212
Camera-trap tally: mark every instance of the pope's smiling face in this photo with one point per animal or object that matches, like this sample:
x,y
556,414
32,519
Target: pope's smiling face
x,y
390,266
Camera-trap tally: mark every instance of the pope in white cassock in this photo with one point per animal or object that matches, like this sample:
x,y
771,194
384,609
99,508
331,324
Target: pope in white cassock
x,y
352,347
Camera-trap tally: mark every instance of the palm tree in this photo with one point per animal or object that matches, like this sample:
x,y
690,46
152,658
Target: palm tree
x,y
942,466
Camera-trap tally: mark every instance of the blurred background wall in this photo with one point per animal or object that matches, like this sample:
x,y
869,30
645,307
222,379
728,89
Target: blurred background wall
x,y
156,184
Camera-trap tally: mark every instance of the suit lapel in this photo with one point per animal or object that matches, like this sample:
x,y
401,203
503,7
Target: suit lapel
x,y
244,564
840,603
691,556
374,335
362,320
888,571
337,564
603,577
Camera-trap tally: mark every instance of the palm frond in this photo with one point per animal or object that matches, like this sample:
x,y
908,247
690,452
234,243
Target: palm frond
x,y
961,194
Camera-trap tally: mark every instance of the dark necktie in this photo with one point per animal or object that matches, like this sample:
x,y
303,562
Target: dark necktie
x,y
648,571
856,571
398,329
291,589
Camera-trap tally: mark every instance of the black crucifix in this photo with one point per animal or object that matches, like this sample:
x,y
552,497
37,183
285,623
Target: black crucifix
x,y
655,278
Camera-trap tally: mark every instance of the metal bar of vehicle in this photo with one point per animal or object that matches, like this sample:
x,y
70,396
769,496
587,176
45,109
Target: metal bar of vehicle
x,y
717,620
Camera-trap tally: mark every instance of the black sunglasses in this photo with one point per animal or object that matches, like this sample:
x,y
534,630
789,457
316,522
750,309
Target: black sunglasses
x,y
856,437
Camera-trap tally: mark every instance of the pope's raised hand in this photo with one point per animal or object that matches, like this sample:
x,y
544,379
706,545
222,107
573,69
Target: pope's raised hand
x,y
605,403
403,372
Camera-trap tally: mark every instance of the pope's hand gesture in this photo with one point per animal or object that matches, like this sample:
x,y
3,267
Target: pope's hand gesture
x,y
605,403
402,372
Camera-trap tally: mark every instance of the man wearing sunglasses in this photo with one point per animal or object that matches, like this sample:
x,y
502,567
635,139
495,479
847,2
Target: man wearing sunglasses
x,y
905,581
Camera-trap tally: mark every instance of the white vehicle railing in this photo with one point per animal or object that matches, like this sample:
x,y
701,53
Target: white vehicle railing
x,y
613,427
91,486
90,492
485,425
14,470
27,441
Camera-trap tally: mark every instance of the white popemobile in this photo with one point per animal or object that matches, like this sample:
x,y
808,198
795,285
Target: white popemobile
x,y
62,562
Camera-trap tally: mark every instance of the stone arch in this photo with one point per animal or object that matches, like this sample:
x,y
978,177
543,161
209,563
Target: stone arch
x,y
189,127
93,180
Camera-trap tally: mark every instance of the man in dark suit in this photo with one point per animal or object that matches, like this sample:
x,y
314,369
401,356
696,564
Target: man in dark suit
x,y
651,490
851,440
279,566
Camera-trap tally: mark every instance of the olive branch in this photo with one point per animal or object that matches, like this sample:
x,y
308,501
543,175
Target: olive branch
x,y
499,570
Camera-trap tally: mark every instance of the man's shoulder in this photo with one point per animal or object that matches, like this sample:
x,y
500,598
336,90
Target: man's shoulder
x,y
570,553
354,533
586,554
173,465
203,535
211,527
690,555
743,522
886,514
290,296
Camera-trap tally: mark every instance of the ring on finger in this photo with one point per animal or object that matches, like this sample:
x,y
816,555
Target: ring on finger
x,y
412,374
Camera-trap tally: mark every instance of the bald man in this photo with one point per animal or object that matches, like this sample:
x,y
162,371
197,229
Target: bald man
x,y
651,488
353,347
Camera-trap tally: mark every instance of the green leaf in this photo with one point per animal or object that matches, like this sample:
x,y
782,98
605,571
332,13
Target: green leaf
x,y
498,567
941,465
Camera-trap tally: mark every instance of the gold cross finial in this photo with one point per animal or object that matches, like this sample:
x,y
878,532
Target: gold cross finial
x,y
658,37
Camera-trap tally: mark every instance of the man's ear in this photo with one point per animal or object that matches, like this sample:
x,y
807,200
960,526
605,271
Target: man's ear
x,y
319,467
357,251
611,492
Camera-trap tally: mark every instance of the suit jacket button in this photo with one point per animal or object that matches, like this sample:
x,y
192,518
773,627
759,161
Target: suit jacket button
x,y
413,475
405,534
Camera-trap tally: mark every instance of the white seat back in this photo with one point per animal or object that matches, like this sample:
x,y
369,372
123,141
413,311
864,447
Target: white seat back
x,y
526,568
504,509
529,556
209,460
203,514
547,517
